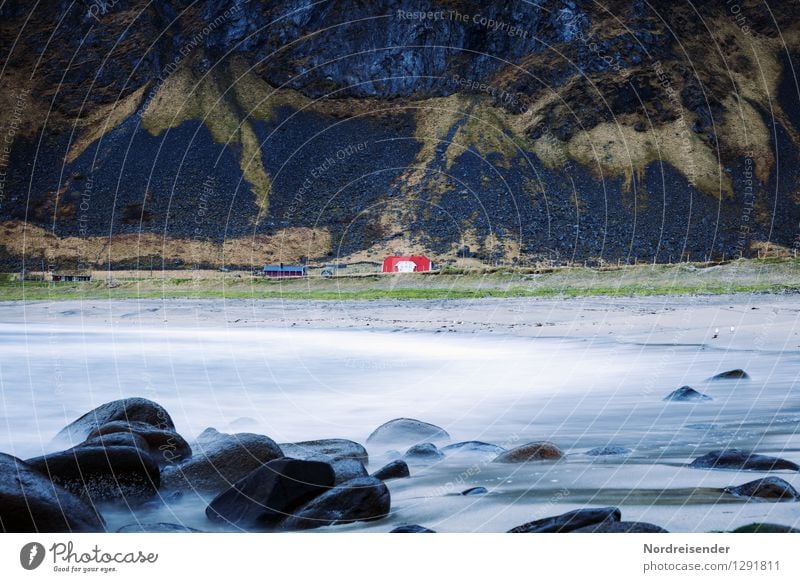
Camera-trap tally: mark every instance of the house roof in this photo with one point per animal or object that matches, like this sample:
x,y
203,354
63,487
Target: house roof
x,y
284,268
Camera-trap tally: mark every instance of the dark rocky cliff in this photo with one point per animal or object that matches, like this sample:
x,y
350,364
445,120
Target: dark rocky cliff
x,y
234,131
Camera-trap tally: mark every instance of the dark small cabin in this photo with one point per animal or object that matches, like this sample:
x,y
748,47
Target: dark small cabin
x,y
59,277
281,271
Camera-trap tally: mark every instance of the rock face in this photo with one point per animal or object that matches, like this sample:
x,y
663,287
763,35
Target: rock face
x,y
166,446
362,499
127,409
219,460
472,448
686,394
424,453
769,488
157,528
407,432
271,493
31,503
570,521
739,459
608,451
102,474
731,375
117,439
411,528
536,451
394,470
336,449
346,469
621,527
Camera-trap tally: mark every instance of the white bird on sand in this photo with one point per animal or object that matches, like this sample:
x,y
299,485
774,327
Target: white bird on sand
x,y
716,333
733,329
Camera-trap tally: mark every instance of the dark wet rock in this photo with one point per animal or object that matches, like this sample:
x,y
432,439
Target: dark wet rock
x,y
117,439
157,528
333,448
570,521
472,447
395,470
475,491
536,451
686,394
739,459
765,528
737,374
411,528
31,503
771,488
127,409
219,460
166,446
102,474
362,499
424,453
407,431
271,493
608,451
610,526
347,469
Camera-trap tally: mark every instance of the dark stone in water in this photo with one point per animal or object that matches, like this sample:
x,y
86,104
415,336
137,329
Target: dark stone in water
x,y
737,374
536,451
411,528
407,431
686,394
425,452
607,451
394,470
270,493
362,499
166,446
475,491
336,449
621,527
472,447
102,474
772,488
765,528
347,469
127,409
570,521
157,528
117,439
219,460
32,503
739,459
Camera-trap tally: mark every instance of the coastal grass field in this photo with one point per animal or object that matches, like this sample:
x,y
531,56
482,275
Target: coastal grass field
x,y
740,276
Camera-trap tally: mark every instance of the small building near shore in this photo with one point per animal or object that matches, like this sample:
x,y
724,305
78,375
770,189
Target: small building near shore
x,y
284,271
409,264
69,277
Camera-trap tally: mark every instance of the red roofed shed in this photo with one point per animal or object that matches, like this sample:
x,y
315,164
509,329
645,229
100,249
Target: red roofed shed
x,y
412,264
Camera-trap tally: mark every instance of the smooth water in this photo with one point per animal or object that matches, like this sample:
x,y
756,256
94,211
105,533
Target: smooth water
x,y
305,384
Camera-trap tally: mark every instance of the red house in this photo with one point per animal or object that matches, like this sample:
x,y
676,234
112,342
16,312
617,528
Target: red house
x,y
413,264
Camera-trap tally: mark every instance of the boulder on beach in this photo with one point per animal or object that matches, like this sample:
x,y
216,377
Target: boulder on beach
x,y
271,493
344,469
570,521
32,503
475,491
157,528
739,459
686,394
608,451
333,448
117,439
765,528
407,432
536,451
166,446
219,460
394,470
423,453
770,488
101,473
472,448
610,526
126,409
737,374
362,499
411,528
